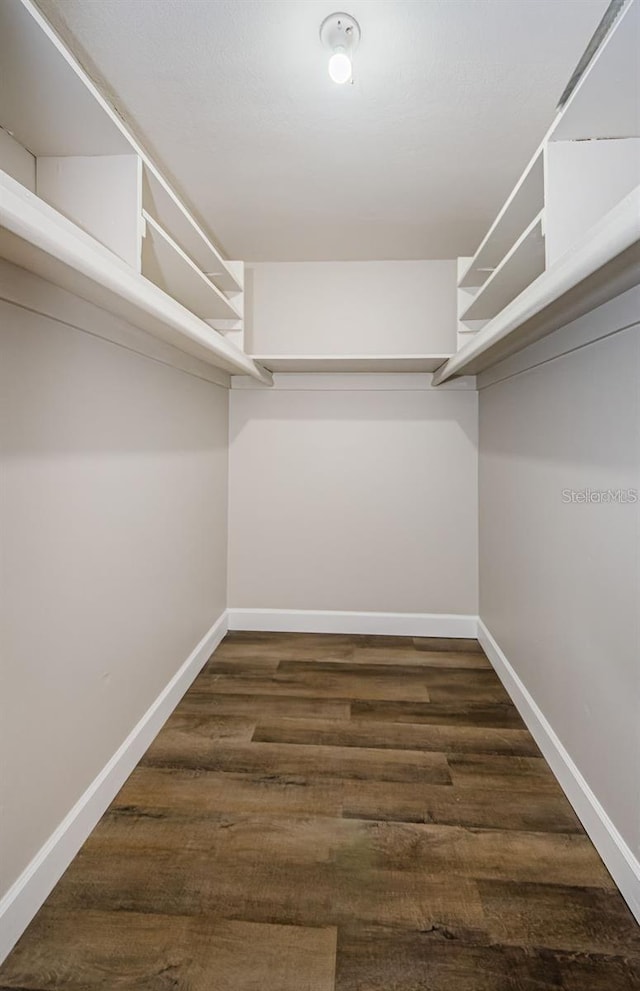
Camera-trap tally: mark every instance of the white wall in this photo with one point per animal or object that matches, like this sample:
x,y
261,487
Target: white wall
x,y
113,547
560,581
387,307
346,498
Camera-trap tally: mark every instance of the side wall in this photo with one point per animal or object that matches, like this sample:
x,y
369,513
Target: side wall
x,y
354,493
113,548
560,571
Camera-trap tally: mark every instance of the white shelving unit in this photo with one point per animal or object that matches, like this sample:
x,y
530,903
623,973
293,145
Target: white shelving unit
x,y
351,362
524,204
160,202
83,205
166,264
604,264
40,239
523,263
567,238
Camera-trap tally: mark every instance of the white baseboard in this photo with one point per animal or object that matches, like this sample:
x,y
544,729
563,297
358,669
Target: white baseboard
x,y
619,859
26,895
376,623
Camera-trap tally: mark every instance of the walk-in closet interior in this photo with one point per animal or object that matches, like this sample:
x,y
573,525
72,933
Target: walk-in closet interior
x,y
320,512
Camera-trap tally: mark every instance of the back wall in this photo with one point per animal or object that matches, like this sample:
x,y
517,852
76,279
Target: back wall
x,y
353,493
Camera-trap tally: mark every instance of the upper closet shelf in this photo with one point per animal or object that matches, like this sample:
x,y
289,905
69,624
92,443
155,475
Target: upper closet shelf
x,y
605,263
568,237
525,203
351,362
35,236
166,209
47,102
53,109
520,266
166,264
605,103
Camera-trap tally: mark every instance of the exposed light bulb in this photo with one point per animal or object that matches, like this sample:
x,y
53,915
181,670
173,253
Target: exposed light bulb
x,y
340,66
340,35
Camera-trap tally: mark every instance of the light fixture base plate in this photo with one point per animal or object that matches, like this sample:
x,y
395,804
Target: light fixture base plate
x,y
340,31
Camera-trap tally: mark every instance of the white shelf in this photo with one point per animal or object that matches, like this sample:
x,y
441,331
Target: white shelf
x,y
605,104
525,203
605,263
167,265
166,209
351,362
573,189
44,102
53,109
35,236
518,269
606,101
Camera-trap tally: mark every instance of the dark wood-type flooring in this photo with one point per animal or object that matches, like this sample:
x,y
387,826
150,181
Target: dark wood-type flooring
x,y
333,813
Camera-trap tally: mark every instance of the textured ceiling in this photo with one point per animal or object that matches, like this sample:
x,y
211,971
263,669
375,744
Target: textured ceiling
x,y
233,99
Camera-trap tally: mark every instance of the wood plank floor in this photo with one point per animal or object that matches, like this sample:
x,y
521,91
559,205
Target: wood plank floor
x,y
335,813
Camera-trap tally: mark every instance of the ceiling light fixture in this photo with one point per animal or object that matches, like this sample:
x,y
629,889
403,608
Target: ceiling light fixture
x,y
340,34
